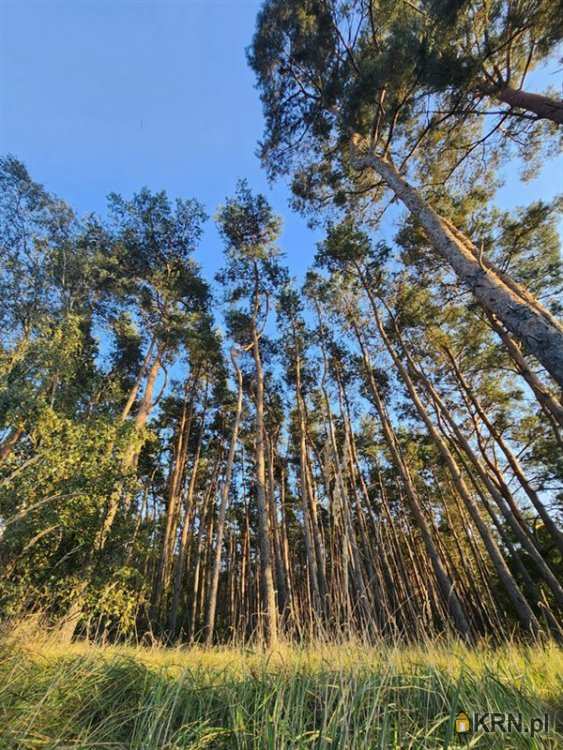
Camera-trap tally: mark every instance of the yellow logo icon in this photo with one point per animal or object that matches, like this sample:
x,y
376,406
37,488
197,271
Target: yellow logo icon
x,y
462,723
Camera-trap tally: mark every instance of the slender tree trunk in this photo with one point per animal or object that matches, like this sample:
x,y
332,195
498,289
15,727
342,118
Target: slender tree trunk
x,y
525,614
445,584
199,567
508,508
225,489
550,405
274,527
308,527
145,407
179,567
137,384
316,531
511,458
267,579
349,542
504,500
174,494
285,542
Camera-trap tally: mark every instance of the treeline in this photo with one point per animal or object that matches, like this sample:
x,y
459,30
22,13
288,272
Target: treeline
x,y
374,453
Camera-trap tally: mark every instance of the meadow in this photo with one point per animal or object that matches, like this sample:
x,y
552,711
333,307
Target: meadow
x,y
79,695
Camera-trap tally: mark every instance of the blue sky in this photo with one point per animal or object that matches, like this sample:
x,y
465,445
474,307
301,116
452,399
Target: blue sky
x,y
111,95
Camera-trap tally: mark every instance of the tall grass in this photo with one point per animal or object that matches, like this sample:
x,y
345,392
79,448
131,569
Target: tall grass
x,y
82,696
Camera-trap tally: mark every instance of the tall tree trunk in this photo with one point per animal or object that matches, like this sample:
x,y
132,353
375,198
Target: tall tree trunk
x,y
225,489
349,542
308,527
552,408
502,496
274,526
266,578
137,384
199,568
506,504
513,462
179,567
316,531
540,335
174,493
143,412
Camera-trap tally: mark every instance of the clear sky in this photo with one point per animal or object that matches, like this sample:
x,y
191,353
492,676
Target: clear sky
x,y
112,95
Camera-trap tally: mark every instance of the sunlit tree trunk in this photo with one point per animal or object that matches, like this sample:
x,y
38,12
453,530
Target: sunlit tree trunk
x,y
188,510
538,332
145,407
511,458
552,408
544,107
174,494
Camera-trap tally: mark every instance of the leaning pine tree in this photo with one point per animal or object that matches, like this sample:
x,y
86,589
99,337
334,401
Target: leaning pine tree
x,y
352,110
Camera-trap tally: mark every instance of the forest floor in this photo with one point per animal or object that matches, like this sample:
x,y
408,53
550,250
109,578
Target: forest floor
x,y
55,695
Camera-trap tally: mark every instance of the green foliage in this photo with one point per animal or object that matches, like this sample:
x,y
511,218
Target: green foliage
x,y
252,273
53,504
248,225
420,83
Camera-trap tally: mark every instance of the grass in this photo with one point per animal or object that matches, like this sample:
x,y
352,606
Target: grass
x,y
83,696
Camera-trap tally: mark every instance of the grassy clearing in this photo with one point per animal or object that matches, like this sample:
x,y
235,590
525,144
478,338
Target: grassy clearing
x,y
83,696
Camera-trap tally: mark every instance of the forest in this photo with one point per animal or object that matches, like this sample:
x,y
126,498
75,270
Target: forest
x,y
375,451
371,453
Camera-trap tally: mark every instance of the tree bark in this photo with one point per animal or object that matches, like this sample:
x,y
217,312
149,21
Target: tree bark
x,y
179,567
225,488
266,580
137,384
511,458
145,407
552,408
544,107
539,335
175,482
